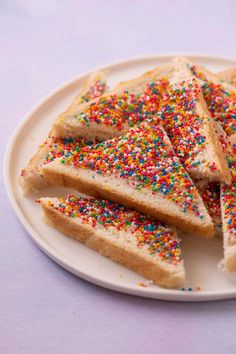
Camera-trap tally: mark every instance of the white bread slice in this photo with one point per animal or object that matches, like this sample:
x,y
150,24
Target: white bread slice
x,y
220,98
125,236
228,76
140,171
210,192
192,131
32,177
228,210
115,112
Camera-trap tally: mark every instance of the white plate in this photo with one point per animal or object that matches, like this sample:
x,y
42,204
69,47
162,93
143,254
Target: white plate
x,y
201,256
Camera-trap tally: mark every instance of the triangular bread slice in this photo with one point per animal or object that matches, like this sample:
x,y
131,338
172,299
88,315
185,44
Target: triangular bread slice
x,y
228,76
210,191
138,170
188,123
220,98
228,210
135,240
115,112
32,177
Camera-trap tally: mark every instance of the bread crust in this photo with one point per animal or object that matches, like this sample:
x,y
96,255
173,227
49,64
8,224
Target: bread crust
x,y
157,272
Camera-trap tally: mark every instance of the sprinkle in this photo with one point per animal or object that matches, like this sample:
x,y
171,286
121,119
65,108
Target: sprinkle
x,y
229,200
211,199
151,234
59,147
126,108
143,158
220,100
183,123
187,289
95,90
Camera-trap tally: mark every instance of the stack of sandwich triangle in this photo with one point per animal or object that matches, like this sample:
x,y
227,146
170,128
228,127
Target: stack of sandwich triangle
x,y
155,157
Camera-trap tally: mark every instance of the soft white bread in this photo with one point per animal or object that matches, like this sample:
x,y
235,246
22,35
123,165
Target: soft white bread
x,y
228,210
134,240
191,129
32,177
210,192
115,112
140,171
220,97
228,76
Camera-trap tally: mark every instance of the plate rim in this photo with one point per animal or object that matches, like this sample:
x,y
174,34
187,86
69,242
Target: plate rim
x,y
162,293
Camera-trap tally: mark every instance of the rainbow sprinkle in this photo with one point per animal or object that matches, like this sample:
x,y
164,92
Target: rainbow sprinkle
x,y
211,199
124,109
184,125
96,89
159,239
211,194
228,194
220,100
58,147
144,158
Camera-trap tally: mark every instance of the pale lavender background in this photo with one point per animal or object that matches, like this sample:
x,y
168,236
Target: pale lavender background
x,y
44,309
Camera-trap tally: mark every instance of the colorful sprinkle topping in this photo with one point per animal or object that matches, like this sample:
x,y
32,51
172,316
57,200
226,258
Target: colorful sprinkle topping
x,y
211,194
59,147
184,125
124,109
96,89
228,194
220,100
145,159
158,238
211,199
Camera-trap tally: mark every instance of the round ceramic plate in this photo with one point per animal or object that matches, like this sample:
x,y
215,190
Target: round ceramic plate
x,y
204,280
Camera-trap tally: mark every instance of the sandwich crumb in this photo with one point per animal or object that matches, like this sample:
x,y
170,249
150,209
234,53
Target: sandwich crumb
x,y
145,284
198,288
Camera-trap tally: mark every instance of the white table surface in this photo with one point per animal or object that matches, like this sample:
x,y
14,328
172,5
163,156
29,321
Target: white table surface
x,y
44,309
